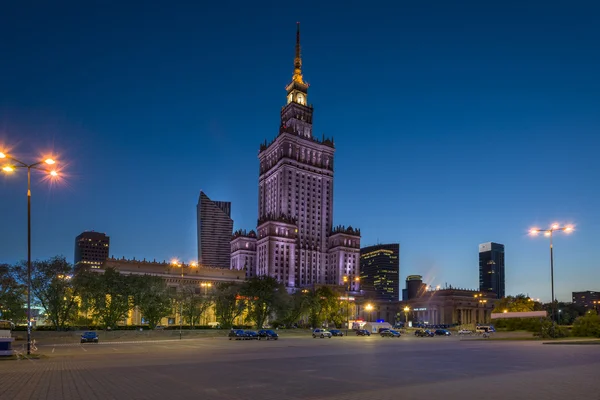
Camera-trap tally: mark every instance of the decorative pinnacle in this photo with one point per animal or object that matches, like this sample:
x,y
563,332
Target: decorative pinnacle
x,y
298,60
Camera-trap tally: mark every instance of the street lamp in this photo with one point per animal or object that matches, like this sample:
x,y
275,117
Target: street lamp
x,y
11,166
369,308
549,233
406,310
205,285
348,283
175,262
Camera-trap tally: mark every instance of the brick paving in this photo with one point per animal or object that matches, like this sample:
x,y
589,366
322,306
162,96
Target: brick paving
x,y
332,369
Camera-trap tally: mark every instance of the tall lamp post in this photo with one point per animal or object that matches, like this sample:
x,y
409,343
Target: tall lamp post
x,y
406,311
369,308
11,166
348,283
176,263
549,233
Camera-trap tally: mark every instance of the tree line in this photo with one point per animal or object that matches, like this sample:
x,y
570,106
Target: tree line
x,y
75,298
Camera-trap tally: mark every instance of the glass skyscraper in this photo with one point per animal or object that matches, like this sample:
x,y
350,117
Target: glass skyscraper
x,y
491,268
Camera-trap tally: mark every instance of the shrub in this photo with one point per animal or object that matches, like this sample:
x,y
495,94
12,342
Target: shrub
x,y
587,325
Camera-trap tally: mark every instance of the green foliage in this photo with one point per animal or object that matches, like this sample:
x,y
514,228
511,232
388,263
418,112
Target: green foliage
x,y
109,296
228,304
193,304
52,286
324,306
262,294
518,303
533,325
152,297
587,325
13,296
290,308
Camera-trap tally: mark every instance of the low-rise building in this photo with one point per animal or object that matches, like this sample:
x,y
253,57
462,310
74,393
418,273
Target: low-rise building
x,y
588,299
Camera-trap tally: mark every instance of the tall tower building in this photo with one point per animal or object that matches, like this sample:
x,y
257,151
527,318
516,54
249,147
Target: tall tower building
x,y
295,199
91,249
491,268
380,271
215,228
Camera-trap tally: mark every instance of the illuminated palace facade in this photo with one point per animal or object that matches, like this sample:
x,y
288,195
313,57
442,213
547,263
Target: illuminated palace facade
x,y
295,241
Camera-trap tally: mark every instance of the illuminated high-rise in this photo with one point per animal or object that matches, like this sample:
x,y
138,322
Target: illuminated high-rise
x,y
491,268
380,271
296,242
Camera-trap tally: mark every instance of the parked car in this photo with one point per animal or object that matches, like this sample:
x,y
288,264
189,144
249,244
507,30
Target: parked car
x,y
237,334
87,337
363,332
389,333
424,333
251,335
159,328
336,332
442,332
322,333
267,334
464,332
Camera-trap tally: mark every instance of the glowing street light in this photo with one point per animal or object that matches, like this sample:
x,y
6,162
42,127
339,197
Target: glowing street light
x,y
348,284
406,311
548,233
8,168
369,308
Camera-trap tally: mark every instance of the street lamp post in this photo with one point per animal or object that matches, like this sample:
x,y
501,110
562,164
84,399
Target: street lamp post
x,y
369,308
406,310
549,233
37,166
176,263
348,284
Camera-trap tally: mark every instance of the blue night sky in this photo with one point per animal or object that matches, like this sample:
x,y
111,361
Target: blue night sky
x,y
454,125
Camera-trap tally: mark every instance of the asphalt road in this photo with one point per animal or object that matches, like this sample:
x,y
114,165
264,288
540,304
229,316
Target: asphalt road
x,y
348,368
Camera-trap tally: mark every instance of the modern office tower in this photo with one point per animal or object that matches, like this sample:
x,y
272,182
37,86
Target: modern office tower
x,y
491,268
380,271
91,249
414,287
215,228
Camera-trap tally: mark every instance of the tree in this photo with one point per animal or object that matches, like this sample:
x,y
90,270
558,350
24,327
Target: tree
x,y
587,325
52,287
152,297
228,304
518,303
290,308
108,295
194,305
13,296
324,305
262,293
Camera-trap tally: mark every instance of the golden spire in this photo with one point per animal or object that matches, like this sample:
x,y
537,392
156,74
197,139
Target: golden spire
x,y
298,60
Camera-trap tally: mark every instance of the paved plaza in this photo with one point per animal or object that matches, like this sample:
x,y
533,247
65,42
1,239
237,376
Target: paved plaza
x,y
348,368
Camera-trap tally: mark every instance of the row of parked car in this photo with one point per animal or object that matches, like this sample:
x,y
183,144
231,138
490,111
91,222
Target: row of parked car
x,y
430,333
324,333
240,334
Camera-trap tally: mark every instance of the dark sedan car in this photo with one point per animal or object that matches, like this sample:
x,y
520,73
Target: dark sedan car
x,y
336,332
87,337
237,334
389,333
442,332
363,332
424,333
267,334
